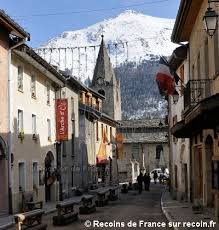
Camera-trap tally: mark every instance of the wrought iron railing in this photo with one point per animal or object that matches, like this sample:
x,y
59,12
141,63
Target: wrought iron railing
x,y
196,91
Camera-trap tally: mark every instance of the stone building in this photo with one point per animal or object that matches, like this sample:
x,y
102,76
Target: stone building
x,y
199,121
97,158
145,147
11,35
105,82
34,90
180,170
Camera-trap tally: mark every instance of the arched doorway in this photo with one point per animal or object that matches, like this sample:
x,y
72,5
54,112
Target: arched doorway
x,y
49,176
208,160
4,209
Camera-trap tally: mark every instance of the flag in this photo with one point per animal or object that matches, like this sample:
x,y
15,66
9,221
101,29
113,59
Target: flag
x,y
165,79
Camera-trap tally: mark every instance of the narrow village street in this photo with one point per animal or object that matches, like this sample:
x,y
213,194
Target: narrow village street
x,y
130,206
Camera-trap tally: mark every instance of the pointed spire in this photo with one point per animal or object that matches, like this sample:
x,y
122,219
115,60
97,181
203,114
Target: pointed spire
x,y
103,68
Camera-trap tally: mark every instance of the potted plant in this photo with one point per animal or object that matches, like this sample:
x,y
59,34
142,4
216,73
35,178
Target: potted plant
x,y
21,135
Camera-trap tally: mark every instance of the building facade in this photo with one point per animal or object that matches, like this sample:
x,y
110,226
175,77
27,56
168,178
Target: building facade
x,y
145,147
199,120
11,34
97,142
35,84
180,164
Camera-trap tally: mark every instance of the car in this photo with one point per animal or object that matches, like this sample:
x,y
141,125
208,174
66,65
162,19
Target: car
x,y
160,173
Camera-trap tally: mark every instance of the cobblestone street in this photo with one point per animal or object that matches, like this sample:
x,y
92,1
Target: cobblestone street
x,y
130,206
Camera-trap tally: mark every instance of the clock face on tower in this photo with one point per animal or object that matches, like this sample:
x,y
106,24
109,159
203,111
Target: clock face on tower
x,y
100,81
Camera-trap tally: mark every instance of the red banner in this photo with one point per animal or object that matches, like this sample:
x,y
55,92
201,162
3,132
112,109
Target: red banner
x,y
61,119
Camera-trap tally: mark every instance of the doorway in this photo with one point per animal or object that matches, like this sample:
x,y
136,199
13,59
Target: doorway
x,y
49,167
4,199
198,173
208,163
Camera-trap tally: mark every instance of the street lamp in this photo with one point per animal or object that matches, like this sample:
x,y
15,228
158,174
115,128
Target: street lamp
x,y
210,21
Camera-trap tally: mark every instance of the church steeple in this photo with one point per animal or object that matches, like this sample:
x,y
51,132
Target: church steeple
x,y
103,68
104,81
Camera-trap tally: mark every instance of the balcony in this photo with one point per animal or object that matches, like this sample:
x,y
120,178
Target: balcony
x,y
201,109
92,110
196,91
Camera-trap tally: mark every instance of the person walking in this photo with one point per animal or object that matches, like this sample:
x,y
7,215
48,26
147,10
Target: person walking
x,y
147,181
140,180
155,177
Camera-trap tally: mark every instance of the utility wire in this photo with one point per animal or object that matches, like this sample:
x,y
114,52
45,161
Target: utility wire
x,y
87,10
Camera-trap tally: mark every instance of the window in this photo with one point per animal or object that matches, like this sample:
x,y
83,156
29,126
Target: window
x,y
35,175
159,149
111,134
48,94
97,131
215,175
49,129
206,61
33,86
176,182
102,130
20,121
20,78
106,131
72,109
21,176
182,79
34,131
102,92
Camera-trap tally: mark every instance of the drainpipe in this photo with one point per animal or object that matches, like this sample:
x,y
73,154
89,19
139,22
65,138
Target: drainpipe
x,y
10,123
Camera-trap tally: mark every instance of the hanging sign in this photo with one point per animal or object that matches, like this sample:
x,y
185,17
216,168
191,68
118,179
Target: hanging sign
x,y
61,119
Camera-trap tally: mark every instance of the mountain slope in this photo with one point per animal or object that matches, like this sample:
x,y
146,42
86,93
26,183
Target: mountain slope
x,y
131,37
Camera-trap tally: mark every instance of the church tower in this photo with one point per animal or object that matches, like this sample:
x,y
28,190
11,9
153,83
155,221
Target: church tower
x,y
105,82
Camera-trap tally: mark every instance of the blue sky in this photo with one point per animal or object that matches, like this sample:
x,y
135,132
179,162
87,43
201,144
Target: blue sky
x,y
48,18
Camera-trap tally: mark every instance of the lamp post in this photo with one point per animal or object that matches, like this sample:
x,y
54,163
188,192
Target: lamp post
x,y
210,19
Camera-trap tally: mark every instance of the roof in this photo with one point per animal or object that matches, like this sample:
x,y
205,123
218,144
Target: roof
x,y
178,56
153,137
25,52
185,20
79,84
13,27
103,68
143,123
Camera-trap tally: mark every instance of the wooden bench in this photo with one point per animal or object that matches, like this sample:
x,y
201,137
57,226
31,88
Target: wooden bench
x,y
88,205
30,220
65,212
113,194
102,196
28,204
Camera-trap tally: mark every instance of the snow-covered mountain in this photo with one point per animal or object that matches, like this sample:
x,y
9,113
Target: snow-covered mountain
x,y
131,37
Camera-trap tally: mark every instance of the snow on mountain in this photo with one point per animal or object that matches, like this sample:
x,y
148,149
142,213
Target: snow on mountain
x,y
138,37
